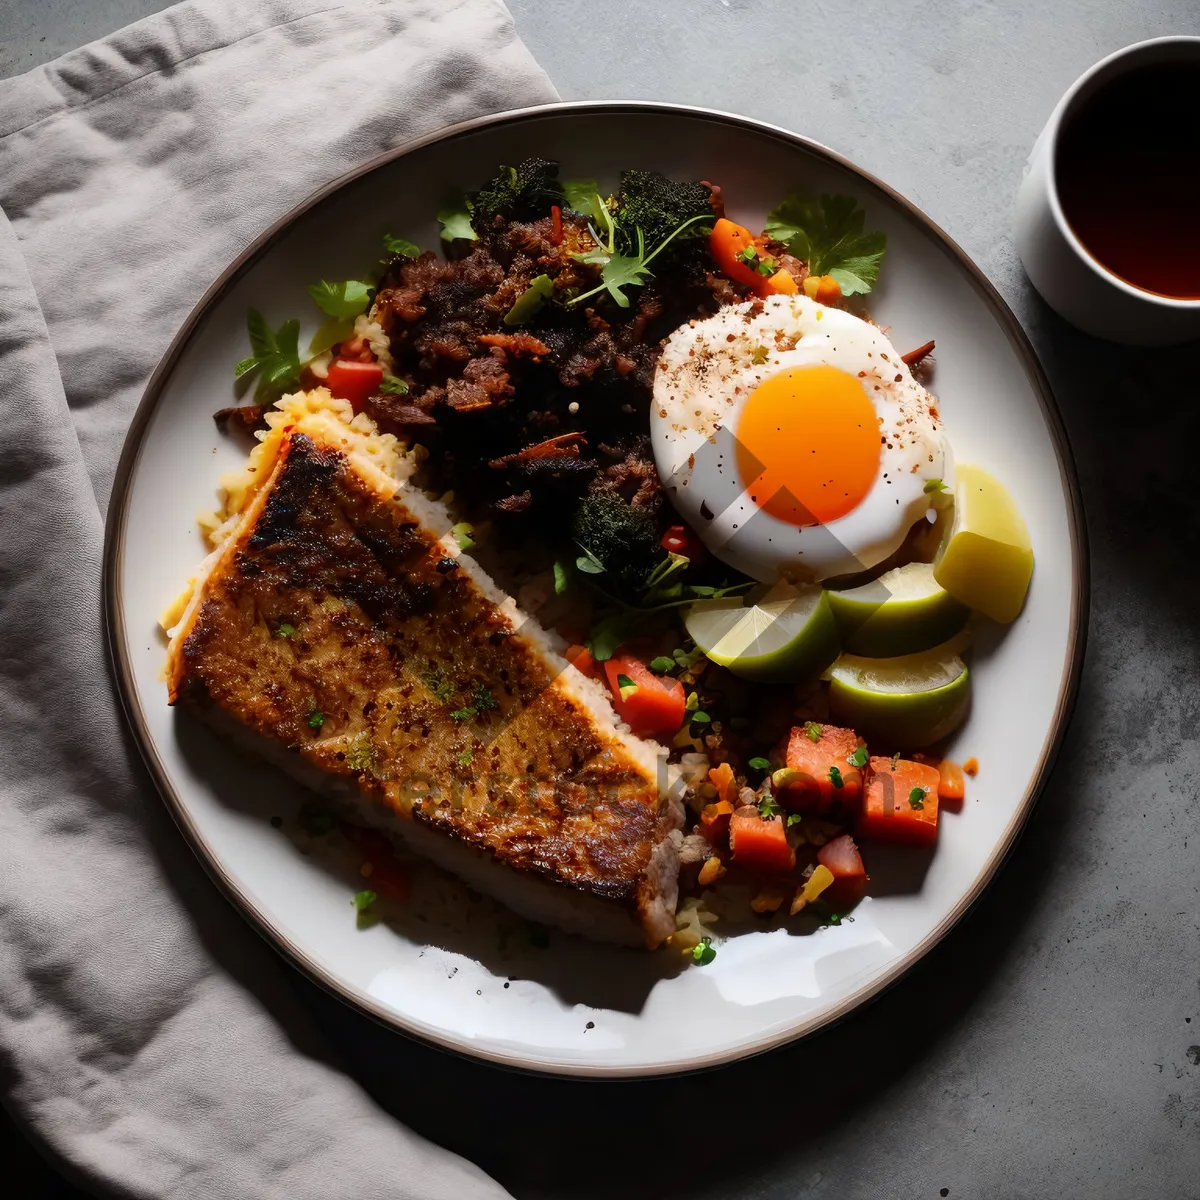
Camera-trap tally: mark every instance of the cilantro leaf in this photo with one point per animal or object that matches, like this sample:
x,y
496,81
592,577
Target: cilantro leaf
x,y
588,563
562,581
540,289
581,195
767,808
607,635
345,299
622,271
759,764
336,329
455,220
661,665
858,758
828,235
393,386
399,245
364,899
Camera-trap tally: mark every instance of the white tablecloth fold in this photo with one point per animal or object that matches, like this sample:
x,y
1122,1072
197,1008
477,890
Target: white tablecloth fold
x,y
146,1034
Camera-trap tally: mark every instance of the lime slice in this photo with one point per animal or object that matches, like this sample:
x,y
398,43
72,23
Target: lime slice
x,y
901,612
986,559
906,702
789,635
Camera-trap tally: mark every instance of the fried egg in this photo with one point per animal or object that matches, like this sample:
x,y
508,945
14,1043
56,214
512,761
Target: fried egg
x,y
794,439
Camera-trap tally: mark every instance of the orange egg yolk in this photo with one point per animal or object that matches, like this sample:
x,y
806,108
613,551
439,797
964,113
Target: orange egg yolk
x,y
808,444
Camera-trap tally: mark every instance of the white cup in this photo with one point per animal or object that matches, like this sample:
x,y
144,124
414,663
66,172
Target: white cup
x,y
1070,280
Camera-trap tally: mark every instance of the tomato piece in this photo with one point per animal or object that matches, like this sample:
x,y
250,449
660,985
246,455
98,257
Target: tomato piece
x,y
952,785
818,751
760,843
651,705
850,877
354,381
891,810
679,539
580,657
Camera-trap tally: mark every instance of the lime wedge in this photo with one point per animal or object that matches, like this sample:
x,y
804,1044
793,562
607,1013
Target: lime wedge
x,y
986,559
906,702
901,612
788,635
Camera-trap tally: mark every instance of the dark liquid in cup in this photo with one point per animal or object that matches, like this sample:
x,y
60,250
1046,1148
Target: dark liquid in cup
x,y
1128,177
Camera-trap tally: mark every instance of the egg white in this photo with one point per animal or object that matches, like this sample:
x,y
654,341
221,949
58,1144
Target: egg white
x,y
705,374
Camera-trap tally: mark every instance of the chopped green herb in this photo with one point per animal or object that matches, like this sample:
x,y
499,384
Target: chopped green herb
x,y
767,807
692,702
701,718
582,195
562,581
364,899
858,758
589,564
662,665
439,685
465,758
834,919
393,386
760,355
916,798
607,635
704,952
747,256
933,485
455,220
462,714
767,267
759,764
794,819
345,299
276,357
399,245
285,631
482,698
316,719
462,535
828,235
336,329
813,731
835,777
526,305
689,658
895,760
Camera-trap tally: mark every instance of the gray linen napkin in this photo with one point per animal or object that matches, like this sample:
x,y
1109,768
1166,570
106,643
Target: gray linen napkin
x,y
146,1034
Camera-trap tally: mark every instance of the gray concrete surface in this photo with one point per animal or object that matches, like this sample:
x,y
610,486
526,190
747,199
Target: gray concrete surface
x,y
1051,1046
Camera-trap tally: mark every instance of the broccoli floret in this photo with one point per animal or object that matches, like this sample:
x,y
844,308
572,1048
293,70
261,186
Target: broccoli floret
x,y
521,193
621,538
658,206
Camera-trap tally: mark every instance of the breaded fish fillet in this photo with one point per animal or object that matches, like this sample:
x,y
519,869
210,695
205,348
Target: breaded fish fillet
x,y
338,622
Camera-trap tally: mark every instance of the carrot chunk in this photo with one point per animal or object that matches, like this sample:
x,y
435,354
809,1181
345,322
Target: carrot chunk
x,y
952,785
901,803
760,843
850,878
820,756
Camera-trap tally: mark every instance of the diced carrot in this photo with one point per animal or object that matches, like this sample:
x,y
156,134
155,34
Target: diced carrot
x,y
714,819
652,705
850,877
783,283
952,785
821,754
760,843
580,657
723,780
971,767
824,289
901,802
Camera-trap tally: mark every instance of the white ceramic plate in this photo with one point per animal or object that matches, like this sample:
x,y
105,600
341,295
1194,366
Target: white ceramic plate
x,y
455,973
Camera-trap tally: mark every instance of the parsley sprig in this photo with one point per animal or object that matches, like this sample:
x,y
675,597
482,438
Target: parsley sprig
x,y
276,357
827,233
